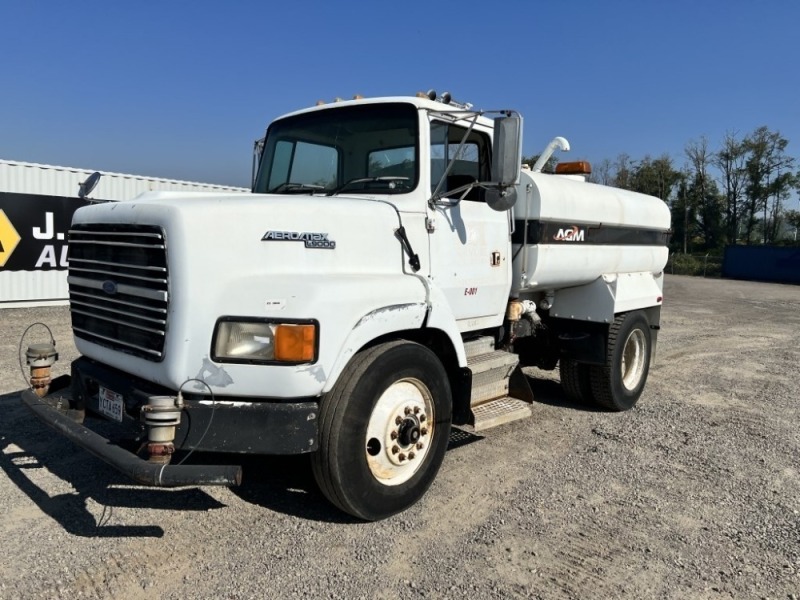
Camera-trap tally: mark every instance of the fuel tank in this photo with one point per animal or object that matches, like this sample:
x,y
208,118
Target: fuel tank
x,y
568,232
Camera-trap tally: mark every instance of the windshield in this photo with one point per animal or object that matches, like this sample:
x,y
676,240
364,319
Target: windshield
x,y
371,148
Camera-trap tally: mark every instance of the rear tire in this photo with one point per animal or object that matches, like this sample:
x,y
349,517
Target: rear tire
x,y
576,381
618,385
384,430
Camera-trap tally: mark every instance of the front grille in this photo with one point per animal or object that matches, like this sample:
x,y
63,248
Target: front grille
x,y
118,287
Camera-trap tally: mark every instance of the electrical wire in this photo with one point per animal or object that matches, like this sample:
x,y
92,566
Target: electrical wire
x,y
210,419
108,512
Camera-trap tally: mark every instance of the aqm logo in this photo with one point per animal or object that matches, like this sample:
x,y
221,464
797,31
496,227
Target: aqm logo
x,y
571,234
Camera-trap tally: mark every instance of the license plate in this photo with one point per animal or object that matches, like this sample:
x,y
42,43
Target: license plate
x,y
111,404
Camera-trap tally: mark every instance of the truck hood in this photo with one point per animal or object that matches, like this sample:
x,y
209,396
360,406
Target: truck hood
x,y
284,233
329,259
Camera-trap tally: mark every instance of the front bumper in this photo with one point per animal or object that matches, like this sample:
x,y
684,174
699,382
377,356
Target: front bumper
x,y
261,427
222,425
49,410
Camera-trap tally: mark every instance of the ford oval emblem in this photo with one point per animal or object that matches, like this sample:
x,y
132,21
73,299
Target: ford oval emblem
x,y
110,287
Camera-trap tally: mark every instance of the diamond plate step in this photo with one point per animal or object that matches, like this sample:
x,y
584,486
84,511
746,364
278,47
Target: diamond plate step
x,y
481,345
490,375
499,359
492,371
498,412
488,391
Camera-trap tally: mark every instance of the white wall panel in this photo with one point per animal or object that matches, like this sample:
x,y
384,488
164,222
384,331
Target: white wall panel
x,y
32,178
42,287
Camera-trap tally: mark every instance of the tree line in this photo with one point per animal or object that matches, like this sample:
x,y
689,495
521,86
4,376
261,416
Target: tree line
x,y
735,194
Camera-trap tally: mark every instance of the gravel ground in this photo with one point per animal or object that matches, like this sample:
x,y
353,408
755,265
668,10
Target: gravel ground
x,y
693,494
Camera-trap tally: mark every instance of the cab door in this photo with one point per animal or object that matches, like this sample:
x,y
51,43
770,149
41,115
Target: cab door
x,y
469,243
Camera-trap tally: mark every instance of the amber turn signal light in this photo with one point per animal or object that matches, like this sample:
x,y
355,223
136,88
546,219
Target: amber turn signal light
x,y
295,343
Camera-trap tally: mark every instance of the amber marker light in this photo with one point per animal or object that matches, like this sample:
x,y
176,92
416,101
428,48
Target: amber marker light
x,y
295,343
578,167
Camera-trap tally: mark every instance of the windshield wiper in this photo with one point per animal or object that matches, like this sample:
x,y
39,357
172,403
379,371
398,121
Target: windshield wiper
x,y
288,186
391,179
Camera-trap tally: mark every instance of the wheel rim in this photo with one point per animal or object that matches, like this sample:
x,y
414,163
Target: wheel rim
x,y
399,431
633,359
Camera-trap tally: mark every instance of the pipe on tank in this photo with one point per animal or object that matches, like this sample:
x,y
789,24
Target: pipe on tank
x,y
557,143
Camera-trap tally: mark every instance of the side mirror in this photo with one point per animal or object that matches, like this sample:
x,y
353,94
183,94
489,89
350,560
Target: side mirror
x,y
506,161
87,186
507,151
501,199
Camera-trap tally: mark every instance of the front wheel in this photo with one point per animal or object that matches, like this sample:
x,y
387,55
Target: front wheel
x,y
618,385
384,429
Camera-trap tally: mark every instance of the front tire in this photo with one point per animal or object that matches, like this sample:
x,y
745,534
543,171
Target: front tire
x,y
384,429
618,385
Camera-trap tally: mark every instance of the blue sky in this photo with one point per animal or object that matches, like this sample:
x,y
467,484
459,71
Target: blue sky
x,y
181,89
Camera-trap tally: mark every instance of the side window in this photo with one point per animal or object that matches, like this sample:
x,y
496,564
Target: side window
x,y
438,152
470,162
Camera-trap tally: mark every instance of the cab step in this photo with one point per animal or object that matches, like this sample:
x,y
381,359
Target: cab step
x,y
490,375
499,412
494,400
478,346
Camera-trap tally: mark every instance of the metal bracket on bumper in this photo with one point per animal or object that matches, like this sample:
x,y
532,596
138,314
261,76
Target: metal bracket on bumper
x,y
141,471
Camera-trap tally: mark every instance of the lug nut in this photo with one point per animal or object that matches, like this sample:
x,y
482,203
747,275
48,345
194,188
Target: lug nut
x,y
393,435
416,410
420,445
423,431
411,456
422,418
398,420
401,457
395,449
407,410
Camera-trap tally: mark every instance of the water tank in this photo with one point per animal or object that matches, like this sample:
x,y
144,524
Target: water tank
x,y
569,232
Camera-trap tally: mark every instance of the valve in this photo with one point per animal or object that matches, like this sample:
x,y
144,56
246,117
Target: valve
x,y
161,415
40,357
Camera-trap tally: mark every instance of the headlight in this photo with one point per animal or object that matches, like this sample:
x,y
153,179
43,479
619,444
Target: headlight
x,y
248,341
237,340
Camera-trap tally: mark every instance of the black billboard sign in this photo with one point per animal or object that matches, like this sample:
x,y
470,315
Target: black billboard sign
x,y
42,223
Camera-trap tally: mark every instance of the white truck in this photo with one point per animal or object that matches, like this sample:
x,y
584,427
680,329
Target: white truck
x,y
390,275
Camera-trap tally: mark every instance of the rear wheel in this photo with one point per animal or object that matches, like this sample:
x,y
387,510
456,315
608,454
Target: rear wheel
x,y
618,385
384,430
575,380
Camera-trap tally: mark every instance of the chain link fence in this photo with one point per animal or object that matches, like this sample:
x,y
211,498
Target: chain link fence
x,y
699,265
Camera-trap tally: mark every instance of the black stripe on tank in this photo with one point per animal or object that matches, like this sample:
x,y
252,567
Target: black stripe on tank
x,y
563,232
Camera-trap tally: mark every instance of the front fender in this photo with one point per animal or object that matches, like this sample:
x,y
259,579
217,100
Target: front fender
x,y
440,316
399,317
372,325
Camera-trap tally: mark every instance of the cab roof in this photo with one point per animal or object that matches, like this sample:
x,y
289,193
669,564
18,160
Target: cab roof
x,y
420,103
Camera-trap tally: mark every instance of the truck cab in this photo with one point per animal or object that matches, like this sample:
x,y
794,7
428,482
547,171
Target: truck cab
x,y
420,157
